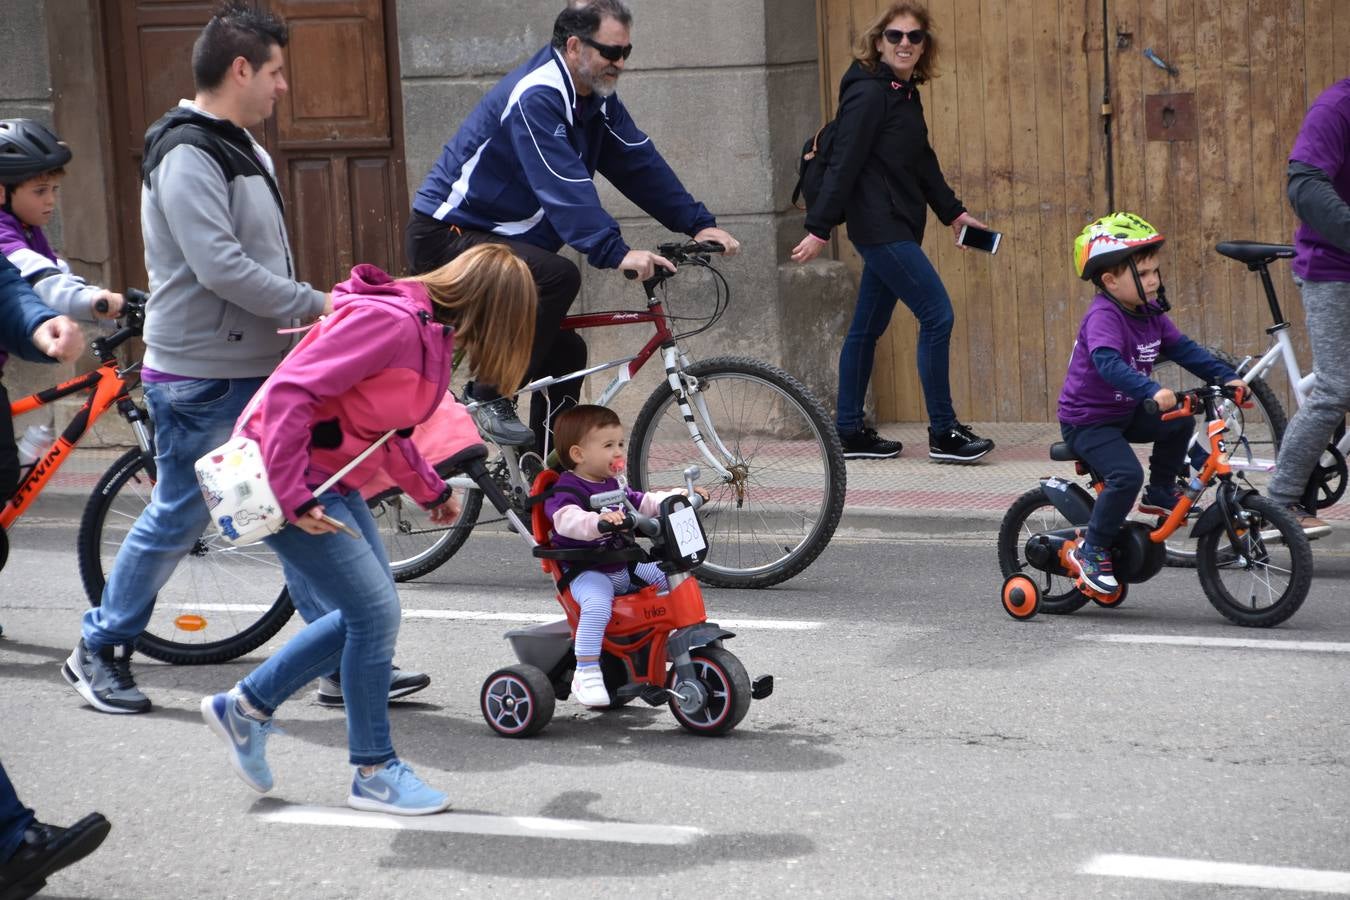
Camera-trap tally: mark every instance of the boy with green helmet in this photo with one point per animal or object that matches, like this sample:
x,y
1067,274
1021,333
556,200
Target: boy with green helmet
x,y
1125,332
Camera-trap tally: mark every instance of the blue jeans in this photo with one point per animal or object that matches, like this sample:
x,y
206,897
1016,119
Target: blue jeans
x,y
352,578
1105,447
890,271
191,418
15,818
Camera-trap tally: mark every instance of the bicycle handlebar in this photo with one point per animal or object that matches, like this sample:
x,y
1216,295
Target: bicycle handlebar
x,y
1191,402
648,525
678,253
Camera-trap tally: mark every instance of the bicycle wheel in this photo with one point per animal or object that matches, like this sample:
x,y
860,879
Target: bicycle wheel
x,y
1265,579
778,509
1031,514
415,544
221,601
1253,438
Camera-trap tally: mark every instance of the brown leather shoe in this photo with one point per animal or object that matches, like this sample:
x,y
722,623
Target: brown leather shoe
x,y
1312,526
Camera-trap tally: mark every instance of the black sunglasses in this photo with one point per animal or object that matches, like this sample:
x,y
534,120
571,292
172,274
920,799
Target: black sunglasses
x,y
611,52
916,37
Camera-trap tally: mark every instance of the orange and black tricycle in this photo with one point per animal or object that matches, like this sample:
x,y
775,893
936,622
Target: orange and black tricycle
x,y
658,647
1253,559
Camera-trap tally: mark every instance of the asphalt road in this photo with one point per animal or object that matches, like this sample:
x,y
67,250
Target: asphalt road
x,y
920,743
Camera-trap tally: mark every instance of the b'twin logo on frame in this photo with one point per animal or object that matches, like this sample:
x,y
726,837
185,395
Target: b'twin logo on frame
x,y
30,484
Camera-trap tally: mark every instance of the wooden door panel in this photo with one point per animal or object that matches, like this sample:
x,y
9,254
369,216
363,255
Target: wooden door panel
x,y
375,219
337,72
318,242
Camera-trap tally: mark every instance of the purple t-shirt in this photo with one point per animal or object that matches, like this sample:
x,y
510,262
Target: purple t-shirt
x,y
565,493
1324,141
1087,397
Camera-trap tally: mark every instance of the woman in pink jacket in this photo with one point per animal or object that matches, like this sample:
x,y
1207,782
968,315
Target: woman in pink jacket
x,y
381,361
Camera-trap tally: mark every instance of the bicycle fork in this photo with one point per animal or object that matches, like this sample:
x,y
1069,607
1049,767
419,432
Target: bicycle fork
x,y
684,387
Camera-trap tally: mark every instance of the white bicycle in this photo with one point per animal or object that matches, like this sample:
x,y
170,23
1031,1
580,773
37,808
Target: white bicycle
x,y
1256,432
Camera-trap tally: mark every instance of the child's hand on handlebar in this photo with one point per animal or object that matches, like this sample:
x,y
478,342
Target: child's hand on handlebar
x,y
702,492
1244,397
107,305
613,517
1166,399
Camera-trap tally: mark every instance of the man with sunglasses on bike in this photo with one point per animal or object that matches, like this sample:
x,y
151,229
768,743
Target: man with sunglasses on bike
x,y
519,171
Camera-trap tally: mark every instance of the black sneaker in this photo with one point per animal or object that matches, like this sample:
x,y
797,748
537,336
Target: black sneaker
x,y
867,444
497,419
104,679
401,684
46,849
957,444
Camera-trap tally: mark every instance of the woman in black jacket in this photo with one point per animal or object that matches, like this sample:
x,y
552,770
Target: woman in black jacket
x,y
882,175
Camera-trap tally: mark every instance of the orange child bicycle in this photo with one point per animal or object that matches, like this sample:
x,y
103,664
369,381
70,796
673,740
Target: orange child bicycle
x,y
108,385
1253,559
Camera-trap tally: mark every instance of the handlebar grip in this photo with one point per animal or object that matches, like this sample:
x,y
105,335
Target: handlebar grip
x,y
101,305
630,274
609,527
1150,406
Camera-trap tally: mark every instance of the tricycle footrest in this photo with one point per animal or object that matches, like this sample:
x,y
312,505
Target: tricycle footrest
x,y
761,687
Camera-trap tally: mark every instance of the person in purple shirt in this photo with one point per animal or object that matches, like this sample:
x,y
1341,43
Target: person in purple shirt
x,y
1124,333
1319,191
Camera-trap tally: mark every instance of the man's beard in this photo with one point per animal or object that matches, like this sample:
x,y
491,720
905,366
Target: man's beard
x,y
598,84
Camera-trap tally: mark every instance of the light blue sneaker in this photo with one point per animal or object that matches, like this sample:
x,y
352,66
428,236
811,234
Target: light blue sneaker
x,y
394,789
245,738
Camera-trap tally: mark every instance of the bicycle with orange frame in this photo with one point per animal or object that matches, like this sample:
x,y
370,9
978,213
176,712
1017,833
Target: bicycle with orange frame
x,y
1254,561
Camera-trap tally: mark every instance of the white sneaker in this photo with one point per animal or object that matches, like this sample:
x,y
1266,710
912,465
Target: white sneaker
x,y
588,686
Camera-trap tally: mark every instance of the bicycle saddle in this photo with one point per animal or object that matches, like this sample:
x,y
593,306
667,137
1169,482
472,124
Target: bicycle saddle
x,y
1060,452
1254,252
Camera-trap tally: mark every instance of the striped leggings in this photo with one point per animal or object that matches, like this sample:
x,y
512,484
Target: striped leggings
x,y
594,591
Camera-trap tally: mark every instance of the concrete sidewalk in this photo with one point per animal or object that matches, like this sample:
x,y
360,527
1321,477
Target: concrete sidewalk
x,y
909,494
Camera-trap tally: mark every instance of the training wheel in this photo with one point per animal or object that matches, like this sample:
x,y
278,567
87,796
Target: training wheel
x,y
1021,597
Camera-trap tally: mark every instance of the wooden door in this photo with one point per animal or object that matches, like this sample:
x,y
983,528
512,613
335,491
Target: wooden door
x,y
1246,74
1016,118
336,137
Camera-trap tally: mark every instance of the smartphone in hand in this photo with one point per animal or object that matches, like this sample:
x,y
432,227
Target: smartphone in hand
x,y
339,525
979,238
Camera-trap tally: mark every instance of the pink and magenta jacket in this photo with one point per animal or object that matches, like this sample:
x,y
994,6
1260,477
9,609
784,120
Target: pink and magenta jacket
x,y
380,361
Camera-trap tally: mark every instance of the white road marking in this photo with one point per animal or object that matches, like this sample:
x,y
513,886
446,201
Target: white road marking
x,y
506,826
1199,871
470,615
1230,643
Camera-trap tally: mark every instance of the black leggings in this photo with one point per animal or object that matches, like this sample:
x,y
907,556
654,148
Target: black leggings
x,y
432,244
9,451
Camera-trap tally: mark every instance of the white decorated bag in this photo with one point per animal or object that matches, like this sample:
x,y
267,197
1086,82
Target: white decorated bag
x,y
234,485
